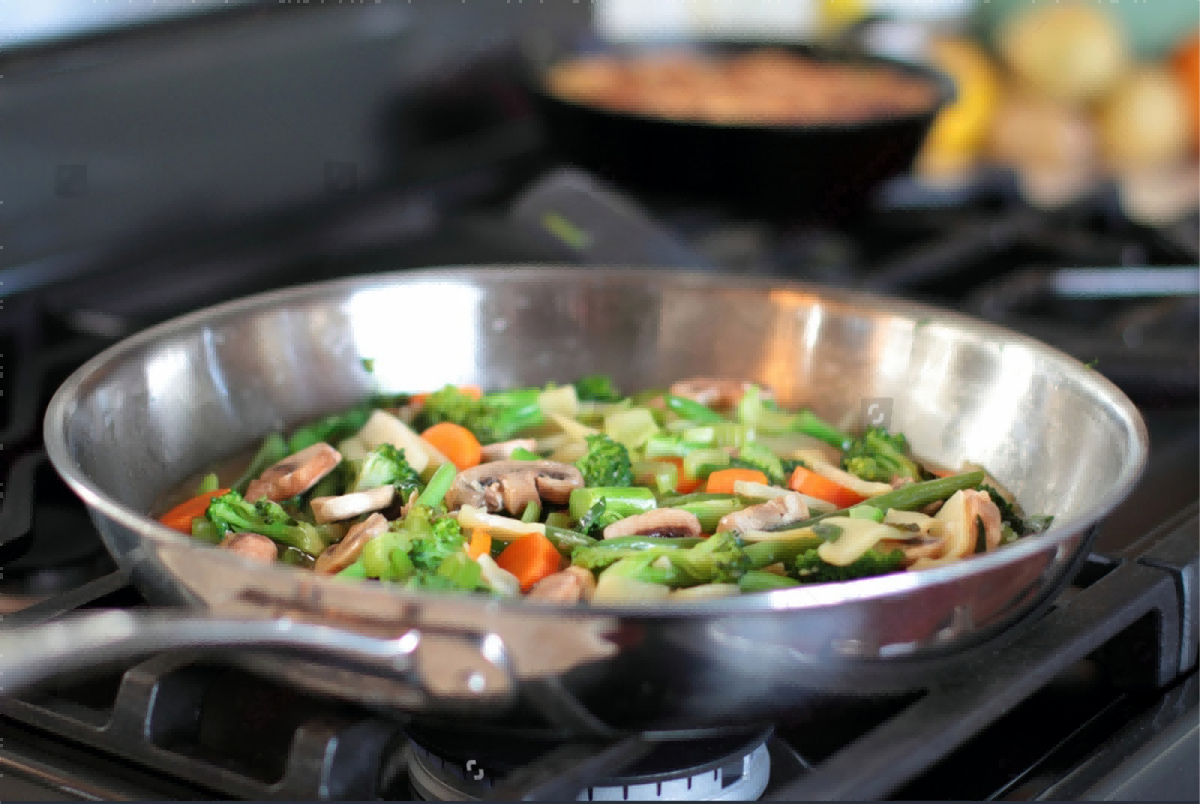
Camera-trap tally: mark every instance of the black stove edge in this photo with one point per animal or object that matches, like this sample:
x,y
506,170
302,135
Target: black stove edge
x,y
1176,555
1153,758
880,762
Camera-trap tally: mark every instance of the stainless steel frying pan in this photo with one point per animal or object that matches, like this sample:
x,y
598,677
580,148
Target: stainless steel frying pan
x,y
143,415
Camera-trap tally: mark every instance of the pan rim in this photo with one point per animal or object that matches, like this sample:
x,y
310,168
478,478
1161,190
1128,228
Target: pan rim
x,y
65,398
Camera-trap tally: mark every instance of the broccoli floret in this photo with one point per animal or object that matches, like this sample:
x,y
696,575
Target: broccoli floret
x,y
231,513
753,409
447,404
1009,512
597,388
811,568
789,465
756,456
431,542
386,466
721,558
416,546
493,417
881,457
606,463
1014,518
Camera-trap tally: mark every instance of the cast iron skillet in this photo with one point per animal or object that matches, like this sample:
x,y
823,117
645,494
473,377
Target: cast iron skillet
x,y
140,417
825,172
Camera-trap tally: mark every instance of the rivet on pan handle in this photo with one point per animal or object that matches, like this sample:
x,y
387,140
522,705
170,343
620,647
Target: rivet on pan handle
x,y
446,670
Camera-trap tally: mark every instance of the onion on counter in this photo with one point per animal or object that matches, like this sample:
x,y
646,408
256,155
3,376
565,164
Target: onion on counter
x,y
1144,124
1071,53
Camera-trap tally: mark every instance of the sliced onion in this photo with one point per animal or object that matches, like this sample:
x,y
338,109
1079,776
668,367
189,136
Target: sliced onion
x,y
499,579
502,528
759,491
857,537
828,471
384,428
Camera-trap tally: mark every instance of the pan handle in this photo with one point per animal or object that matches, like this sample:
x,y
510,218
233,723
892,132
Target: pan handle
x,y
426,669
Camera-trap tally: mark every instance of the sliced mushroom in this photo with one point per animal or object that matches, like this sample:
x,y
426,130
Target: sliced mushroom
x,y
933,507
960,517
980,508
672,522
572,585
782,510
518,491
251,545
294,474
721,394
557,489
356,503
504,450
915,522
336,557
412,500
483,486
916,549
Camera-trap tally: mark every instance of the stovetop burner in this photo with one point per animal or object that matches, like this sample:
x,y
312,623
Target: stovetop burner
x,y
735,768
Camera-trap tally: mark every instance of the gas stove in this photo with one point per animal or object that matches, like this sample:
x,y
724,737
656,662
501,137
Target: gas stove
x,y
1097,698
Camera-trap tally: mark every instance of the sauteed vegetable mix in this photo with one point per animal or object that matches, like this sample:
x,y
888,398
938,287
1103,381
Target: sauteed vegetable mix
x,y
579,492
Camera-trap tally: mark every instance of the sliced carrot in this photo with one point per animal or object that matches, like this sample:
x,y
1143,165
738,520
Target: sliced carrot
x,y
480,543
686,485
455,442
722,480
530,558
180,517
814,485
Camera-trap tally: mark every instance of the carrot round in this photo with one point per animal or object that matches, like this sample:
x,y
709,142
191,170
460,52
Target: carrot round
x,y
480,543
455,442
180,517
814,485
722,480
530,558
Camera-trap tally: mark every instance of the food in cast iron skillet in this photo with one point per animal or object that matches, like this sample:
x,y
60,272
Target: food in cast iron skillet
x,y
579,492
763,87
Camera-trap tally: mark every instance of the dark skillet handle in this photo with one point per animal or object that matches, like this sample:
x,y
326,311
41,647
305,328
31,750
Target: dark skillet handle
x,y
419,670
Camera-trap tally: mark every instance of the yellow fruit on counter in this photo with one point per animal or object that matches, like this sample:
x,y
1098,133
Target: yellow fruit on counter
x,y
1144,123
1070,52
959,131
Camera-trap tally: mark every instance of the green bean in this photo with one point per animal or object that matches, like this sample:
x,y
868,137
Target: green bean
x,y
906,498
567,540
772,551
693,411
